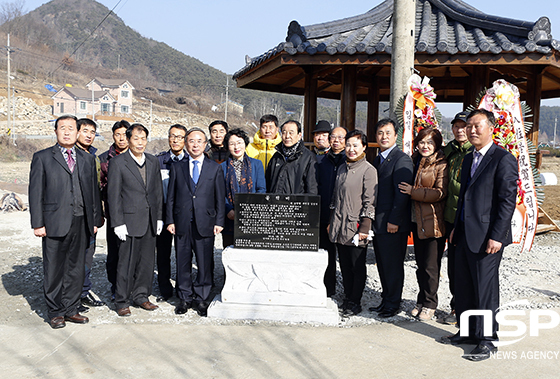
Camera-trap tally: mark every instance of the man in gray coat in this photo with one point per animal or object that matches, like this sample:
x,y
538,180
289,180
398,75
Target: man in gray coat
x,y
135,195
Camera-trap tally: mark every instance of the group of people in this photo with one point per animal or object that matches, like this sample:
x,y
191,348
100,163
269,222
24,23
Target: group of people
x,y
186,196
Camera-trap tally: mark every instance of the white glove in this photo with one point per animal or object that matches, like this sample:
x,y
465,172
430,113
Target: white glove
x,y
121,232
356,239
159,227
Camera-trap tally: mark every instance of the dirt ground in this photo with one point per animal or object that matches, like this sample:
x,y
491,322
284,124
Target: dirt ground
x,y
163,344
551,203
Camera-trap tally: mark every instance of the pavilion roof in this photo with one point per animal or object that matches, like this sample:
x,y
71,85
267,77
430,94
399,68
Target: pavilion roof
x,y
442,27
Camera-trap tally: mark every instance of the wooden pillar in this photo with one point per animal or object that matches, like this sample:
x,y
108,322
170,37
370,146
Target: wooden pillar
x,y
534,88
310,105
372,115
348,98
479,79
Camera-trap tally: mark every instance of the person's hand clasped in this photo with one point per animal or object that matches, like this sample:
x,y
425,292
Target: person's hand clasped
x,y
363,236
171,228
405,188
217,229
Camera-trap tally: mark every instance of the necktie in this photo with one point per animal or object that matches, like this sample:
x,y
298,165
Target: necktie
x,y
71,162
477,157
195,172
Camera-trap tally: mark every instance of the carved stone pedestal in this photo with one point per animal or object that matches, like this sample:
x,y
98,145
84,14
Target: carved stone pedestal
x,y
277,285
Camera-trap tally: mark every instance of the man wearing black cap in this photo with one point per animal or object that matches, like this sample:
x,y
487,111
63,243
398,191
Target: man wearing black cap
x,y
454,151
321,137
327,167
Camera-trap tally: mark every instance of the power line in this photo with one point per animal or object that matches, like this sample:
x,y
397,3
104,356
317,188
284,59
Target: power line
x,y
90,34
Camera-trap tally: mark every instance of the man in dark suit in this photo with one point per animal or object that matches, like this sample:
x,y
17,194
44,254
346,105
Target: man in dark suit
x,y
65,211
392,217
195,214
119,146
176,153
482,229
135,195
87,129
327,168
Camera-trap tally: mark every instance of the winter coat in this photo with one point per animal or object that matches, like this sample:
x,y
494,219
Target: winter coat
x,y
455,154
428,194
296,174
218,154
263,149
327,168
353,202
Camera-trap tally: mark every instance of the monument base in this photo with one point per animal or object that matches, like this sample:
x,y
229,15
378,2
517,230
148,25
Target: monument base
x,y
275,285
327,315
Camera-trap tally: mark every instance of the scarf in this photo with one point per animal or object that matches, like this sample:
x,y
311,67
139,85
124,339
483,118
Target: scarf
x,y
238,179
289,151
361,156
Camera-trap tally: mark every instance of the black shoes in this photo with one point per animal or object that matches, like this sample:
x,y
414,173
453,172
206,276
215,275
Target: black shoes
x,y
91,301
349,308
162,298
480,353
456,339
388,312
82,309
378,308
201,308
183,307
352,309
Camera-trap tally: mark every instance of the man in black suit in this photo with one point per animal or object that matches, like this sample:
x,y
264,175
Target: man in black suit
x,y
176,153
392,217
195,215
65,211
119,146
87,129
135,195
482,229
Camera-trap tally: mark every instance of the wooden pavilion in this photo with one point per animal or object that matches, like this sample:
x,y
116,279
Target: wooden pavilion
x,y
460,48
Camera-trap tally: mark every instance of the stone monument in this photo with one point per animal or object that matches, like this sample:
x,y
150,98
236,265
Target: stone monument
x,y
275,269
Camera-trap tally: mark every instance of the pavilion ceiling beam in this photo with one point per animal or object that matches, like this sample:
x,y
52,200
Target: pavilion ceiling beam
x,y
293,80
267,68
324,87
552,77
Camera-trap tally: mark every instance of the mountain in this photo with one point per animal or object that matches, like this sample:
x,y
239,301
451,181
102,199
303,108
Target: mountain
x,y
47,37
60,26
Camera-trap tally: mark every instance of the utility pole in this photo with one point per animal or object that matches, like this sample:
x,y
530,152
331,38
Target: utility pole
x,y
9,85
402,56
227,97
92,102
14,113
555,122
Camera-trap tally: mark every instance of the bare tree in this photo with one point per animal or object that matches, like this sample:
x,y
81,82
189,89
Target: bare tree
x,y
11,10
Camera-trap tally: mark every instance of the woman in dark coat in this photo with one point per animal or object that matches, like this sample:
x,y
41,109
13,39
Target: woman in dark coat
x,y
242,175
428,203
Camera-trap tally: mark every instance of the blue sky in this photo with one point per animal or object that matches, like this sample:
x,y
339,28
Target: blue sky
x,y
221,32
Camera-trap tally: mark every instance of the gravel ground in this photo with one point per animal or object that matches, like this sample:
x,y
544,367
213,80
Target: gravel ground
x,y
533,276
